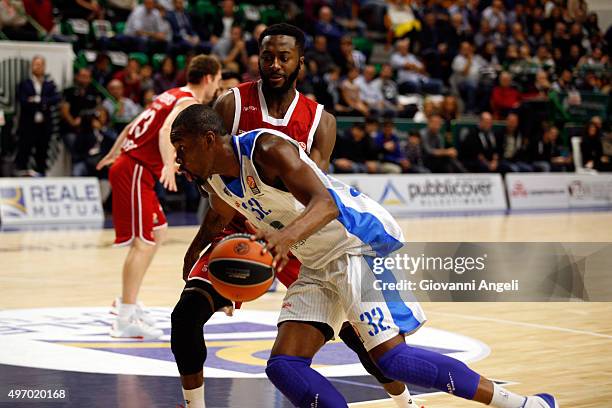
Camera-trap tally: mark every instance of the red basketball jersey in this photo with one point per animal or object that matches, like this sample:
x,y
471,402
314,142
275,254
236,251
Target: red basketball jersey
x,y
300,121
142,142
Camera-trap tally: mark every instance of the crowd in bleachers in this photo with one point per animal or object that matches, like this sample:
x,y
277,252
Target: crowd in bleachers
x,y
416,85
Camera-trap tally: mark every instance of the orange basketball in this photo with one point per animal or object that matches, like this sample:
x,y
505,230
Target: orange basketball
x,y
238,270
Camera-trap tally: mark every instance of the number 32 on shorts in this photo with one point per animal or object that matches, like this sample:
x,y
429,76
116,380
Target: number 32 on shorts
x,y
375,318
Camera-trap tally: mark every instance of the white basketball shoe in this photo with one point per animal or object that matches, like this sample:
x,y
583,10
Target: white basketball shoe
x,y
134,328
141,313
541,401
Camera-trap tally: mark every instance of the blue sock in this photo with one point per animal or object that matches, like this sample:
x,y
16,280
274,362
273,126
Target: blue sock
x,y
302,385
428,369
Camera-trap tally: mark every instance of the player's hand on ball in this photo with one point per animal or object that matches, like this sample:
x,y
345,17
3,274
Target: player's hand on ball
x,y
277,243
167,177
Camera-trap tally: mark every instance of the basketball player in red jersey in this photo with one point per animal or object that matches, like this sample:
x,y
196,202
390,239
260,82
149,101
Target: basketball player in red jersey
x,y
273,102
142,154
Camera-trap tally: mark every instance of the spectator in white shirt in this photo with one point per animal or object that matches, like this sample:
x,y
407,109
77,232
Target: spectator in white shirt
x,y
146,29
411,74
466,74
121,109
369,90
495,14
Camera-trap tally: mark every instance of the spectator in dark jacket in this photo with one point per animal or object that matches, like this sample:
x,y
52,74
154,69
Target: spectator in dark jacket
x,y
438,157
514,147
591,147
38,98
479,151
355,152
184,36
391,153
548,155
414,154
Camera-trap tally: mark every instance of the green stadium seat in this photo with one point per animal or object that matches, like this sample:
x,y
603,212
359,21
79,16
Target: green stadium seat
x,y
363,44
157,60
271,15
141,57
120,27
180,62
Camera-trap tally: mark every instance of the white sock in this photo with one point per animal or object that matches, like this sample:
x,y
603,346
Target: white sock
x,y
503,398
194,398
126,310
404,400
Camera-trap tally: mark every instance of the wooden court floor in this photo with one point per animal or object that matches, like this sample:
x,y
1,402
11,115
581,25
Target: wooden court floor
x,y
560,348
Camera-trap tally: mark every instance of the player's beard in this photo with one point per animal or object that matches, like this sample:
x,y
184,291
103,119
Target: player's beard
x,y
278,91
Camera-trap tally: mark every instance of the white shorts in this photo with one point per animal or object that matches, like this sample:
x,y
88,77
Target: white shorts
x,y
333,295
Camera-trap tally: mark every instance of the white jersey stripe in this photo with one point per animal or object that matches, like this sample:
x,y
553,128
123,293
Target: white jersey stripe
x,y
313,128
237,110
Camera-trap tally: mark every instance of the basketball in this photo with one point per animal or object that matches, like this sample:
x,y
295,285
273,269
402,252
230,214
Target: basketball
x,y
238,270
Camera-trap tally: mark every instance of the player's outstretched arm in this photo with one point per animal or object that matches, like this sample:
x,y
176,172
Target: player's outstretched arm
x,y
113,153
166,149
324,141
217,217
280,161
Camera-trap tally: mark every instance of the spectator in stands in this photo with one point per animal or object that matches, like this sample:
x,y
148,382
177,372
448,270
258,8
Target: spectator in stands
x,y
81,97
223,23
595,57
389,89
495,14
102,70
438,157
38,98
145,29
548,155
320,55
504,97
121,109
429,108
147,98
229,80
351,96
369,90
479,147
252,72
414,154
514,149
232,52
146,80
166,78
400,20
13,22
355,152
449,111
592,150
484,35
411,74
391,152
544,60
252,44
564,82
459,31
349,56
130,77
94,142
327,27
328,91
466,68
372,126
184,36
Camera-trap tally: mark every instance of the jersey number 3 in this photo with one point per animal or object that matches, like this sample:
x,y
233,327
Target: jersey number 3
x,y
142,124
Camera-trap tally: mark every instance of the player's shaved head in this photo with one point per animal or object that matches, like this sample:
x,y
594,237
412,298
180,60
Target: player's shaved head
x,y
196,120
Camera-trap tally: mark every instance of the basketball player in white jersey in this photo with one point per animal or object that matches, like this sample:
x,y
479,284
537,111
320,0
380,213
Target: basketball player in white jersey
x,y
335,232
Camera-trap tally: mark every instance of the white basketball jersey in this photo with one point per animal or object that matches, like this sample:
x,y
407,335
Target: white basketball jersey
x,y
362,226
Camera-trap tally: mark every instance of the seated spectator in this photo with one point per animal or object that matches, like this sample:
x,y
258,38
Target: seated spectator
x,y
13,22
252,72
449,111
145,29
466,75
232,51
514,147
102,70
320,55
411,74
355,152
591,146
414,154
120,109
495,14
429,109
304,84
400,20
478,147
504,97
146,79
564,83
221,24
438,157
369,90
147,98
372,126
391,153
349,56
95,140
544,60
547,155
79,98
166,78
351,96
252,44
130,77
327,27
388,88
184,36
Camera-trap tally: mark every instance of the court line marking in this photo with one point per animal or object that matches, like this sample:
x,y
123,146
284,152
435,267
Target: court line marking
x,y
525,324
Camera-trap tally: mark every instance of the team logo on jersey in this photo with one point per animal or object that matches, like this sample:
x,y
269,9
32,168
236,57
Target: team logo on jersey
x,y
253,185
77,339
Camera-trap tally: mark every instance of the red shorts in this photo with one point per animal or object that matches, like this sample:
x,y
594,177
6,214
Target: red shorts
x,y
136,209
287,276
